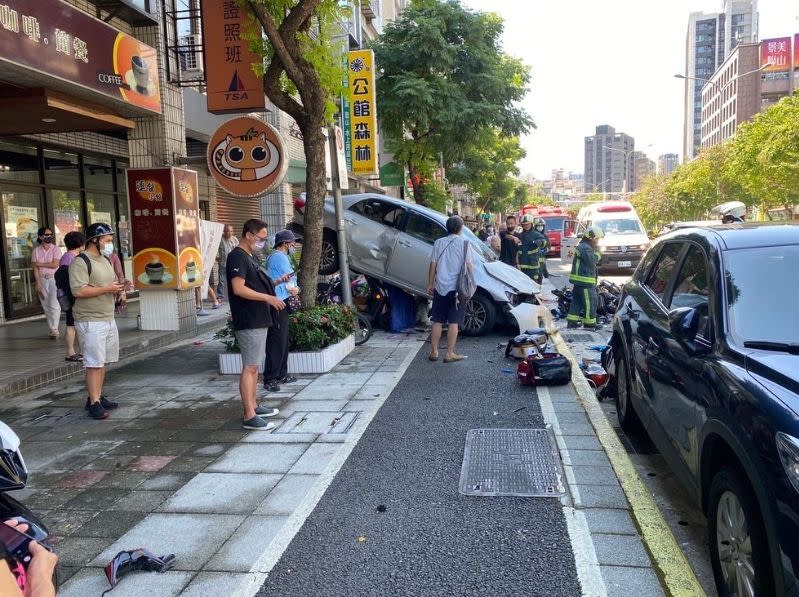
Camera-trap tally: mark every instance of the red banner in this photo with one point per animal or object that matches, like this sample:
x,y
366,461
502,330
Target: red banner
x,y
776,53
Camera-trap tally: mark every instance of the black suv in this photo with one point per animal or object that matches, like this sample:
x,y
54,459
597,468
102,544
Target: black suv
x,y
706,358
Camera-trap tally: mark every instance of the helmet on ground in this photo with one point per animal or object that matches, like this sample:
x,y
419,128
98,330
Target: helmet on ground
x,y
526,219
593,232
98,229
539,224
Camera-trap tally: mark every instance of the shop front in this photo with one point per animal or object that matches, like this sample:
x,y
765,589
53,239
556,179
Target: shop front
x,y
71,88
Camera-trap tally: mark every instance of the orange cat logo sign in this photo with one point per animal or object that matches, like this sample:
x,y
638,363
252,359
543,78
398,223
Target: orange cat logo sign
x,y
247,157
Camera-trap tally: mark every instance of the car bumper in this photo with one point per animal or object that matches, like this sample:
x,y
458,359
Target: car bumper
x,y
624,261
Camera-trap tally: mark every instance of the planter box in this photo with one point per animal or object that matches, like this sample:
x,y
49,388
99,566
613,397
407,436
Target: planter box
x,y
320,361
323,360
230,364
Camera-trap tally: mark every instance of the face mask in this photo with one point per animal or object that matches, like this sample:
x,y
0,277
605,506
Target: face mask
x,y
47,239
292,250
108,248
260,245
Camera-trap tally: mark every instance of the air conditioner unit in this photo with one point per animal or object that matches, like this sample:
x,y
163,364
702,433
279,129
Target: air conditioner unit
x,y
190,56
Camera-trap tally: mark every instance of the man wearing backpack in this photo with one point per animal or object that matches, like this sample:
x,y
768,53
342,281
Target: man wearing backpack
x,y
74,242
95,286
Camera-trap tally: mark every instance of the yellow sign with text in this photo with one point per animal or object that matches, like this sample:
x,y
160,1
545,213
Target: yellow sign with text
x,y
363,111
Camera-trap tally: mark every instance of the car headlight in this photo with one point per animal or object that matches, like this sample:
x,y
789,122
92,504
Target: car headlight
x,y
788,449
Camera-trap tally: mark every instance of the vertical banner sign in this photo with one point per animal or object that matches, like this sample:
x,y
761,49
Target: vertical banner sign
x,y
345,112
343,180
796,51
776,53
232,86
210,237
164,228
363,111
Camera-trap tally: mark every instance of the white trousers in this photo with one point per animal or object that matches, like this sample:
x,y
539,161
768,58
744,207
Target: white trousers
x,y
49,299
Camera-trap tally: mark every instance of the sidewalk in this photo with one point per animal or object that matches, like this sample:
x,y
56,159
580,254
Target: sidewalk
x,y
31,360
173,471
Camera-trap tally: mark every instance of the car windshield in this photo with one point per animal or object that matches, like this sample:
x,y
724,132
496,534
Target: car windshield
x,y
479,246
620,226
756,279
554,223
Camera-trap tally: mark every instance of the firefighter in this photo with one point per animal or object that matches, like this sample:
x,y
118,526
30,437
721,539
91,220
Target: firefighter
x,y
540,226
530,249
584,277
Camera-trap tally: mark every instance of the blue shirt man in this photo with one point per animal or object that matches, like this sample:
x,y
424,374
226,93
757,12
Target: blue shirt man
x,y
279,269
278,264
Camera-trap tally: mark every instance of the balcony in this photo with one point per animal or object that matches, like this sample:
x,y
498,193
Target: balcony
x,y
139,13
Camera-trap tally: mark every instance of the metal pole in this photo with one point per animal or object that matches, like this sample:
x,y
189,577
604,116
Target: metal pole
x,y
343,256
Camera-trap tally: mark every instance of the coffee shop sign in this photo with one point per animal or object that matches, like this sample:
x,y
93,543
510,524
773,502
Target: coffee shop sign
x,y
65,43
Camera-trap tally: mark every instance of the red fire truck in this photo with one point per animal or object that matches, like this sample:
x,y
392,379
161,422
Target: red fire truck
x,y
554,218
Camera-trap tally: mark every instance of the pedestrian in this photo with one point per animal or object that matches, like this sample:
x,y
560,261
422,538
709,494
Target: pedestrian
x,y
226,245
252,299
44,262
95,286
38,572
533,242
281,273
74,242
509,243
584,277
450,253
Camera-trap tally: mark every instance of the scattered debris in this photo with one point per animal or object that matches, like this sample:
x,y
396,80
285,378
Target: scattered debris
x,y
381,508
521,408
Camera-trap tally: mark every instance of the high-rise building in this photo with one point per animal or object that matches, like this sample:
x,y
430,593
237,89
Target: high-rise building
x,y
642,168
667,163
608,161
710,39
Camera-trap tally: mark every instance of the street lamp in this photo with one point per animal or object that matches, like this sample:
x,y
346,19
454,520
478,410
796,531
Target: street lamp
x,y
716,85
627,155
600,184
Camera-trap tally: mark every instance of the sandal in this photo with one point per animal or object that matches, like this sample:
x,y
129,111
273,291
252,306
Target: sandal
x,y
432,357
455,358
74,358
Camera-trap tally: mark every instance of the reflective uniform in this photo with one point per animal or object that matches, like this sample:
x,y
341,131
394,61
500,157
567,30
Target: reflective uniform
x,y
583,276
530,260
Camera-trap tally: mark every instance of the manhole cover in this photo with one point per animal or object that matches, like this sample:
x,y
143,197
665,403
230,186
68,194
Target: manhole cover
x,y
578,337
513,462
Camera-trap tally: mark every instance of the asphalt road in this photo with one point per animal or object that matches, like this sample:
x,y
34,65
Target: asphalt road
x,y
393,523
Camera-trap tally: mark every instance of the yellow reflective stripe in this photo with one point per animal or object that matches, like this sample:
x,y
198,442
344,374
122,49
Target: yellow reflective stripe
x,y
581,279
571,317
587,298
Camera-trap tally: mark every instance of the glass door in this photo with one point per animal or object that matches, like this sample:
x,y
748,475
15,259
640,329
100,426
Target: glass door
x,y
22,216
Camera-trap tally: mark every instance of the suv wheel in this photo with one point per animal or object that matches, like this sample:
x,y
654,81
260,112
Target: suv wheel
x,y
628,418
738,546
480,315
328,264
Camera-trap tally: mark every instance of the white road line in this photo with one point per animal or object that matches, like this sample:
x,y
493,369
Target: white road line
x,y
585,560
260,570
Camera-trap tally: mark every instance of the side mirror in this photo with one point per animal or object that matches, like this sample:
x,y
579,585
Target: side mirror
x,y
684,325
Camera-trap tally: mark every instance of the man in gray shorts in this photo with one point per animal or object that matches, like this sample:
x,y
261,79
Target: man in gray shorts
x,y
251,297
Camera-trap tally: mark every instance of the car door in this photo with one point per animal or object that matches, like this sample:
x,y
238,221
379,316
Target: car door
x,y
411,257
682,384
372,226
651,315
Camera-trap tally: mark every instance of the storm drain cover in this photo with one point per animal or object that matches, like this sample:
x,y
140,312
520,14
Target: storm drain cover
x,y
578,337
512,462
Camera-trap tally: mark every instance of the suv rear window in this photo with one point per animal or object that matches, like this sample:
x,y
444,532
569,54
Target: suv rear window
x,y
660,277
381,212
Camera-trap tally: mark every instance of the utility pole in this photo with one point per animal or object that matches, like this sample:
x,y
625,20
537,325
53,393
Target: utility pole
x,y
343,255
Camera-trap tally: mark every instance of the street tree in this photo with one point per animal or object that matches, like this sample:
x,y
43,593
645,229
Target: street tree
x,y
442,78
302,78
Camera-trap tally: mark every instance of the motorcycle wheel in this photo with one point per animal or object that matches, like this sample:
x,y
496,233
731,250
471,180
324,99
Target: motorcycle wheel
x,y
363,330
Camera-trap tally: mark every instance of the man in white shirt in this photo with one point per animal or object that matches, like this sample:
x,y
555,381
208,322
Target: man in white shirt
x,y
446,263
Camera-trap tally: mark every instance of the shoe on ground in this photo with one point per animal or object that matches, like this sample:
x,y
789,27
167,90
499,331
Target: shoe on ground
x,y
572,325
287,379
54,333
594,328
271,386
257,424
106,403
262,411
96,411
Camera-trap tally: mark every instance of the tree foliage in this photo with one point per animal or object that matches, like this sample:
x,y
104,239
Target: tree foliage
x,y
442,79
759,166
302,78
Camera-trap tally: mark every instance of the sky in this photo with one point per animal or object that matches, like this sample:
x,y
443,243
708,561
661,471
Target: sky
x,y
607,62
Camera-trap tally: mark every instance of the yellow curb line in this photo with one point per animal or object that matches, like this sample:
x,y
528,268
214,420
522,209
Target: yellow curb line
x,y
670,564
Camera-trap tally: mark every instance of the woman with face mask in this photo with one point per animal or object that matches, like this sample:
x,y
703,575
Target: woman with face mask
x,y
44,261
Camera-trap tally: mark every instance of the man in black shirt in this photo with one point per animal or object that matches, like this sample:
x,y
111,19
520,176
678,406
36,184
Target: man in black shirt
x,y
251,298
509,242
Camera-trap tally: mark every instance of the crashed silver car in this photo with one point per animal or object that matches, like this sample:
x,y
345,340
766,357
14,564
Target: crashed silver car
x,y
392,240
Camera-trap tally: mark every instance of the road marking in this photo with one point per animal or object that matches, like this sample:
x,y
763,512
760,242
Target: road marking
x,y
676,575
260,570
585,560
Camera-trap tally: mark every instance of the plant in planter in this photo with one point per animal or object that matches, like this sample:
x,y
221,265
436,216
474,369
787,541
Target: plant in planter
x,y
320,337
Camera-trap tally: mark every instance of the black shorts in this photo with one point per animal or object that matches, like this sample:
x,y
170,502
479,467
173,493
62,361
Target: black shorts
x,y
70,318
446,308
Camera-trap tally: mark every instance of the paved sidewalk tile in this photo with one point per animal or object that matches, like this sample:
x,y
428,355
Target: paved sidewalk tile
x,y
631,582
600,496
259,458
592,475
193,538
315,459
93,582
226,493
612,522
213,584
620,550
277,437
585,457
246,545
287,494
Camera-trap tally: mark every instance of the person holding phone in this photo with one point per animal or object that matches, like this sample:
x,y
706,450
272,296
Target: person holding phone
x,y
38,578
280,271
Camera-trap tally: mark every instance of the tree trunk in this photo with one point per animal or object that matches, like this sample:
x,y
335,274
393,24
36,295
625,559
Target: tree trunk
x,y
416,183
315,145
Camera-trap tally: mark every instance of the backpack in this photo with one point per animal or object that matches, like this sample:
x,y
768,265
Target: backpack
x,y
466,284
63,289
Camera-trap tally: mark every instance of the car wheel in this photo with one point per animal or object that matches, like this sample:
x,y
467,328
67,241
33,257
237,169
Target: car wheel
x,y
481,313
738,547
628,418
328,264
